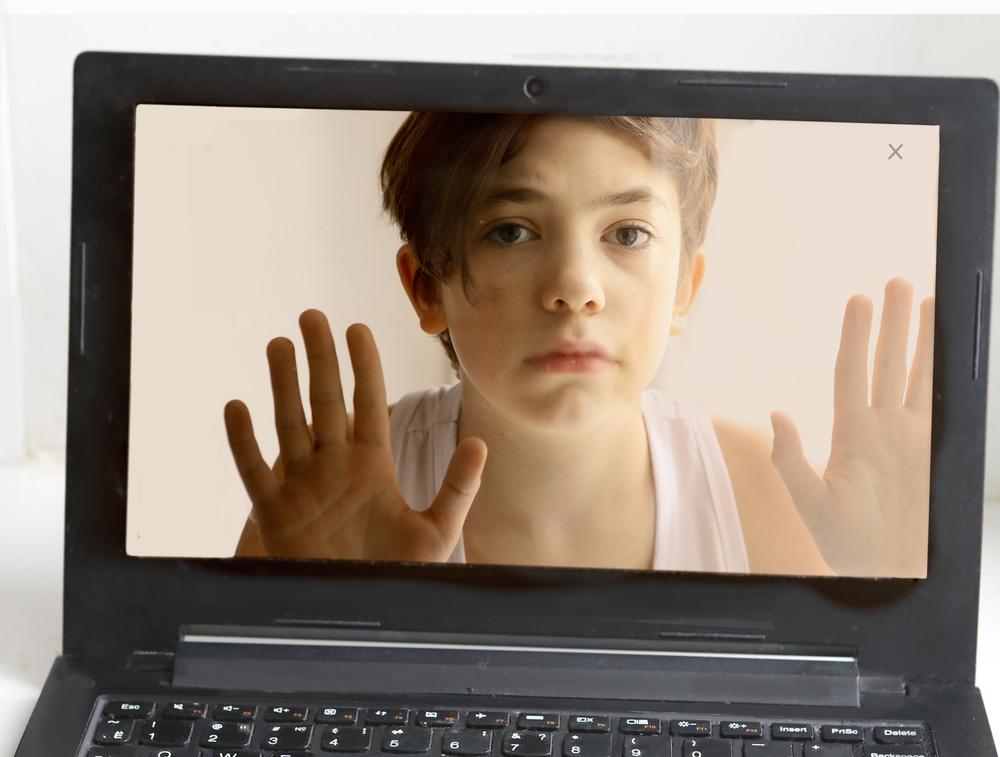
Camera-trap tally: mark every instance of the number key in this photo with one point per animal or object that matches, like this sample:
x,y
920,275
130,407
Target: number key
x,y
346,739
226,734
586,745
406,740
707,748
646,746
165,732
466,742
286,737
527,744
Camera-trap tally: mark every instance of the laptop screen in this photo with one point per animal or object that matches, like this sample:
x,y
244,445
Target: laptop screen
x,y
611,342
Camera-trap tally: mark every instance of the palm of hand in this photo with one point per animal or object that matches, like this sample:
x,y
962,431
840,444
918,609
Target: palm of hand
x,y
868,514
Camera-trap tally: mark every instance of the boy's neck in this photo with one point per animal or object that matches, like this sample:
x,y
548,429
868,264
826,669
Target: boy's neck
x,y
582,499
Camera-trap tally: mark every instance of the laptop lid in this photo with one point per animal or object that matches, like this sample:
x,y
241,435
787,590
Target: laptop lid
x,y
892,626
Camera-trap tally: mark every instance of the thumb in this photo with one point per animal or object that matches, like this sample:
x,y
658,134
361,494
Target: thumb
x,y
804,485
461,482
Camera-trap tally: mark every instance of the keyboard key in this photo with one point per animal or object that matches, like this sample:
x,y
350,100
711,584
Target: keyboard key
x,y
828,750
296,753
346,739
707,748
232,753
538,722
792,731
387,717
337,715
480,719
286,737
180,751
895,751
691,728
183,711
165,733
403,740
639,725
466,741
437,718
589,724
239,713
112,751
898,735
527,744
739,729
123,710
848,734
587,745
111,731
646,746
766,749
285,714
226,734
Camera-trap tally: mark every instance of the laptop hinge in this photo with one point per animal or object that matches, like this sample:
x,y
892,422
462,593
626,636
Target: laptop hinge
x,y
494,666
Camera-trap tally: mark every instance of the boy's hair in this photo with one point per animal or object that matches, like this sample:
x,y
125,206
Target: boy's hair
x,y
439,168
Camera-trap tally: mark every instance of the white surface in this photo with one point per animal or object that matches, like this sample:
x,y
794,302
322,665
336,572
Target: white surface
x,y
31,499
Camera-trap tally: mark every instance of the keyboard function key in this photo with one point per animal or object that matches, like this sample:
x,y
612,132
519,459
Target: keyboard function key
x,y
846,734
481,719
739,729
527,744
285,714
286,737
122,710
226,735
767,749
707,748
387,717
646,746
466,741
112,731
346,739
183,711
234,713
589,724
691,728
437,718
337,715
586,745
538,722
165,732
792,731
406,740
898,735
639,725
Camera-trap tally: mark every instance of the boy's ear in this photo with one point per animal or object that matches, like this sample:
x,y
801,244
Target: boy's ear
x,y
421,291
687,291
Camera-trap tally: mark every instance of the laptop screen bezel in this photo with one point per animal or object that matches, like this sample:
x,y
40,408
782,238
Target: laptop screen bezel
x,y
116,604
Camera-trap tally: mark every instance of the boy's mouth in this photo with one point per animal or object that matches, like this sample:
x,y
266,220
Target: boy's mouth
x,y
571,357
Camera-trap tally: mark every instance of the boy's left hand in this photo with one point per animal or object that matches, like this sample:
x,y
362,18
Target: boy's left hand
x,y
868,514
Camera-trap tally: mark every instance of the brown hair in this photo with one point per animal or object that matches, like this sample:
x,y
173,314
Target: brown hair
x,y
439,168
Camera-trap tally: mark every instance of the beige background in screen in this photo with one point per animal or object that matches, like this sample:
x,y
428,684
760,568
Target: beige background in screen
x,y
246,217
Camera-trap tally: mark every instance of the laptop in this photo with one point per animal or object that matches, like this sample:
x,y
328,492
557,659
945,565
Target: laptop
x,y
638,330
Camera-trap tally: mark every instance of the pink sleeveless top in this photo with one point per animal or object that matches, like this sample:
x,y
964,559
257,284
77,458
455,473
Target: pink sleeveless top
x,y
697,523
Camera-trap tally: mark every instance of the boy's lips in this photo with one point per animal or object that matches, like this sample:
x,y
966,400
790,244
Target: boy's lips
x,y
571,357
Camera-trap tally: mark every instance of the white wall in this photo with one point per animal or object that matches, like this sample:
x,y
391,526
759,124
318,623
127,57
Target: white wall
x,y
41,51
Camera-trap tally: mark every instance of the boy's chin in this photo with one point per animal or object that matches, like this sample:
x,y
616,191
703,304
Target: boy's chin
x,y
571,408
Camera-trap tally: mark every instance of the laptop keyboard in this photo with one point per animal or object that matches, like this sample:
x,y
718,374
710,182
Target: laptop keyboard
x,y
144,728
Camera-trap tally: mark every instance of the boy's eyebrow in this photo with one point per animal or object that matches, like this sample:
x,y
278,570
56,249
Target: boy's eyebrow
x,y
526,196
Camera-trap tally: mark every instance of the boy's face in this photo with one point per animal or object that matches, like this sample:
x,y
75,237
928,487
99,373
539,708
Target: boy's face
x,y
575,268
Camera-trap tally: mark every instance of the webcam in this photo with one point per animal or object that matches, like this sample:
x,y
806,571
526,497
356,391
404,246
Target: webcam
x,y
535,86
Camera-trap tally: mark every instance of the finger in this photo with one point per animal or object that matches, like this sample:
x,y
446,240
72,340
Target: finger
x,y
850,376
257,476
326,394
371,415
889,369
920,386
289,418
808,491
461,483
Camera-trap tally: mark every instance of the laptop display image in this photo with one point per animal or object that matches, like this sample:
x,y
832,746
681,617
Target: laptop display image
x,y
616,413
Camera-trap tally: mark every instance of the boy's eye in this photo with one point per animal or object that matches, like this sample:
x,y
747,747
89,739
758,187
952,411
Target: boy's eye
x,y
509,233
630,236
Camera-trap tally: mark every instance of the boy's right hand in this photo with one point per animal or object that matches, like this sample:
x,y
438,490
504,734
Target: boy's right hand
x,y
339,498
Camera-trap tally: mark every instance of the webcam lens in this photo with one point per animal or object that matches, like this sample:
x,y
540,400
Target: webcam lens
x,y
535,86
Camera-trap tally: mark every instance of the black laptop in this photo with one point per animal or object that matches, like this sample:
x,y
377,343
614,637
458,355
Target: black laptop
x,y
582,530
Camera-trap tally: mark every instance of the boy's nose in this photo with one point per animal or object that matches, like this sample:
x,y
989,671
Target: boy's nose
x,y
574,286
